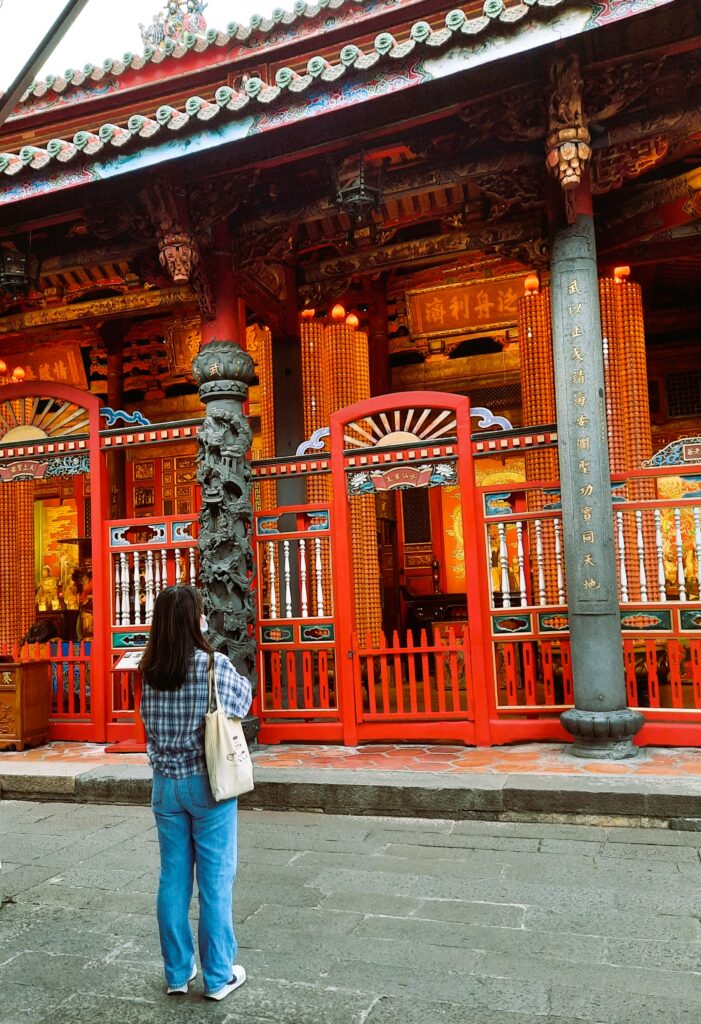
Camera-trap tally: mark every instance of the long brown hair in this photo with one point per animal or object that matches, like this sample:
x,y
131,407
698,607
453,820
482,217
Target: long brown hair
x,y
175,633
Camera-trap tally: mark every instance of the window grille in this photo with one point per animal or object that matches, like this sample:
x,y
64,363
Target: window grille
x,y
683,393
653,395
417,516
501,396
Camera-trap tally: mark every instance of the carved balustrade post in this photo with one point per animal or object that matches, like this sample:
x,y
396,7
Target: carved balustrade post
x,y
224,372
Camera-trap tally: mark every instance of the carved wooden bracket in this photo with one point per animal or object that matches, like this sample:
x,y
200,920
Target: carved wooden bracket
x,y
568,142
220,197
178,251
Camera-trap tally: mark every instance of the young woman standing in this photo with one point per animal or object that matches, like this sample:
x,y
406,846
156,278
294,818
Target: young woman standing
x,y
193,830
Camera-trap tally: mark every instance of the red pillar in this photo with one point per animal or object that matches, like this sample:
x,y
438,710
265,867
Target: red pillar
x,y
113,336
378,342
229,323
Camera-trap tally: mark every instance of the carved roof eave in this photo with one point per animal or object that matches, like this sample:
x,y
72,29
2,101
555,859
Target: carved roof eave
x,y
427,55
259,38
306,19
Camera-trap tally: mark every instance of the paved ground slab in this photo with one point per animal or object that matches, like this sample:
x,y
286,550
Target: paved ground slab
x,y
359,920
658,786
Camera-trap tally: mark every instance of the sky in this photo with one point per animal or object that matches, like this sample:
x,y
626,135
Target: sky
x,y
106,28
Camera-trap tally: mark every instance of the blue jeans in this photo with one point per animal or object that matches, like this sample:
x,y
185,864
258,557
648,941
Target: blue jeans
x,y
193,830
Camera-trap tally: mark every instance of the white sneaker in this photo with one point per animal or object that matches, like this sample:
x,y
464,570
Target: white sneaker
x,y
173,990
238,977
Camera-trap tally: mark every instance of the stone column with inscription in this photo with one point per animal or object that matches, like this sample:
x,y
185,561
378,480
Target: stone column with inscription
x,y
601,723
224,372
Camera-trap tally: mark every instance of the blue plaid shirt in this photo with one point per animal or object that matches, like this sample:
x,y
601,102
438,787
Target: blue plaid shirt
x,y
174,719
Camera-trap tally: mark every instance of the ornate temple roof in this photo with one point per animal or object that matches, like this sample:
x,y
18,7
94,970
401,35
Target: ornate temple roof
x,y
482,37
304,18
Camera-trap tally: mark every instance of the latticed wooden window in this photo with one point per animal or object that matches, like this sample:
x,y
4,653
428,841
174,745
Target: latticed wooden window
x,y
500,396
653,395
683,393
417,516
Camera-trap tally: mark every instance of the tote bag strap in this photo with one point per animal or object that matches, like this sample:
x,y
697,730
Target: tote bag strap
x,y
212,692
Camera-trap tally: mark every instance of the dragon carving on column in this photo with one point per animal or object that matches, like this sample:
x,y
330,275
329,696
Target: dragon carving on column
x,y
224,371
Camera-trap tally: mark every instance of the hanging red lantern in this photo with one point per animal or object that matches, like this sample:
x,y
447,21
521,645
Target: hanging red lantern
x,y
531,285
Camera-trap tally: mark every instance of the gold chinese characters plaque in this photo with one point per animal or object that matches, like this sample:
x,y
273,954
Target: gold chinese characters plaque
x,y
463,308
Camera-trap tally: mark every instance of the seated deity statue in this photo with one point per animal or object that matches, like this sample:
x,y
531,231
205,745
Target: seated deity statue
x,y
70,595
46,597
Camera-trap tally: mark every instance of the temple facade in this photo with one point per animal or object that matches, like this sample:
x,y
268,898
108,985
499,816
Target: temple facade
x,y
381,322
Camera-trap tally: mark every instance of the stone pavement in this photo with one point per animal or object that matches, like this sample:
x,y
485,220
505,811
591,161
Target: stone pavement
x,y
359,920
660,785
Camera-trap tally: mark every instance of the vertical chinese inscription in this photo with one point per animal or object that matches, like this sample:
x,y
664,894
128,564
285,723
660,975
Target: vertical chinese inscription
x,y
576,316
585,478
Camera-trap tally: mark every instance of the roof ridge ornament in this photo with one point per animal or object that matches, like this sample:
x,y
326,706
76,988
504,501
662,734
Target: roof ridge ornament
x,y
177,20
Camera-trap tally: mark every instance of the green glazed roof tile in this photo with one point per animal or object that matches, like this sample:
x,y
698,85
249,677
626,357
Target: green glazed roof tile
x,y
258,25
255,91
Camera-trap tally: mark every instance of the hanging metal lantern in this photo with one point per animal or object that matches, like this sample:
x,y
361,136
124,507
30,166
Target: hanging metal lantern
x,y
14,276
359,187
19,270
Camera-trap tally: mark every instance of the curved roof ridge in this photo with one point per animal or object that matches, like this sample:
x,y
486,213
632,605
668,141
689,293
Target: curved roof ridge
x,y
254,91
258,25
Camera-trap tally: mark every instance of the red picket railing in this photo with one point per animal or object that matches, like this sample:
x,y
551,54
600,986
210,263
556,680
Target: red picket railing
x,y
298,694
144,556
657,545
657,534
663,673
71,683
413,681
533,675
527,616
298,683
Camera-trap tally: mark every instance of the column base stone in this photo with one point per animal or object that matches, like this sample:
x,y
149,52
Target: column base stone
x,y
603,735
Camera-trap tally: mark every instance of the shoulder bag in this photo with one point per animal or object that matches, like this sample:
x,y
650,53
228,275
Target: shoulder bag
x,y
225,749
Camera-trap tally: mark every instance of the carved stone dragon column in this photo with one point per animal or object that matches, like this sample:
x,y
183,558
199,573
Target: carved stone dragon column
x,y
224,372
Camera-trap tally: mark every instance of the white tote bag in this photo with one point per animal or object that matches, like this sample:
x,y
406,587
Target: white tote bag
x,y
225,749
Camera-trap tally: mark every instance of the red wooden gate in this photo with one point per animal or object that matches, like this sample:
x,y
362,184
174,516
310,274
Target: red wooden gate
x,y
426,684
53,430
